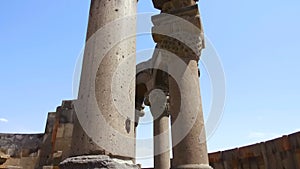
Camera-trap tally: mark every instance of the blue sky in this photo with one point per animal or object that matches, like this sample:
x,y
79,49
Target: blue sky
x,y
257,42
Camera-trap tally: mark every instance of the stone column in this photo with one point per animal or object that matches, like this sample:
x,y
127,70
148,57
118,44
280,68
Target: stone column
x,y
183,38
160,112
161,143
105,107
191,151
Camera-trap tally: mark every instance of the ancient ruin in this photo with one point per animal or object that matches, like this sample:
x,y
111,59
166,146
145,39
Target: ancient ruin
x,y
47,150
92,132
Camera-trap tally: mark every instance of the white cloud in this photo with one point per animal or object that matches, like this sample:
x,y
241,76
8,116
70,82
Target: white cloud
x,y
3,120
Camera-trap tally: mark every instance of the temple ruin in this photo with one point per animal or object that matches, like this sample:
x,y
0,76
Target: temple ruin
x,y
46,151
98,130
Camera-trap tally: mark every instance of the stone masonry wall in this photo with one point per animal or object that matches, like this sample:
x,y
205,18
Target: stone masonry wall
x,y
58,136
280,153
40,151
20,149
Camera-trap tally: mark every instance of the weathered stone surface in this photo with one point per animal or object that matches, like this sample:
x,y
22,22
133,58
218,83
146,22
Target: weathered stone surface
x,y
105,121
183,37
3,158
96,162
14,144
277,153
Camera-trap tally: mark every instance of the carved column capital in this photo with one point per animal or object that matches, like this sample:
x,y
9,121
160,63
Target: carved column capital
x,y
179,31
159,104
164,5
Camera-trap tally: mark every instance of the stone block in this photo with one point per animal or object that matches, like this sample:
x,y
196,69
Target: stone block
x,y
50,122
13,162
215,157
25,153
62,144
273,153
96,162
294,140
230,154
60,131
296,156
28,162
68,130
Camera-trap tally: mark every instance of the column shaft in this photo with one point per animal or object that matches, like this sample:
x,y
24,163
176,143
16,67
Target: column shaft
x,y
115,73
161,143
191,152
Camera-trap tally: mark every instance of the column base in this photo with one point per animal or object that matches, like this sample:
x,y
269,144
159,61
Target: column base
x,y
194,166
96,162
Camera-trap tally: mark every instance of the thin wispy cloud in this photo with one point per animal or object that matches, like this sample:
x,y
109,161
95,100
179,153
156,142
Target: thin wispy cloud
x,y
3,120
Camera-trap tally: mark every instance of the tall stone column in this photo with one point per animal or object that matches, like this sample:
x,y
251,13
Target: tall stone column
x,y
105,107
185,103
180,37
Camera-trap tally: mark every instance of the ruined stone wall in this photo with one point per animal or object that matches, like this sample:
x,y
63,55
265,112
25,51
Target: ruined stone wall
x,y
20,149
280,153
40,151
58,136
